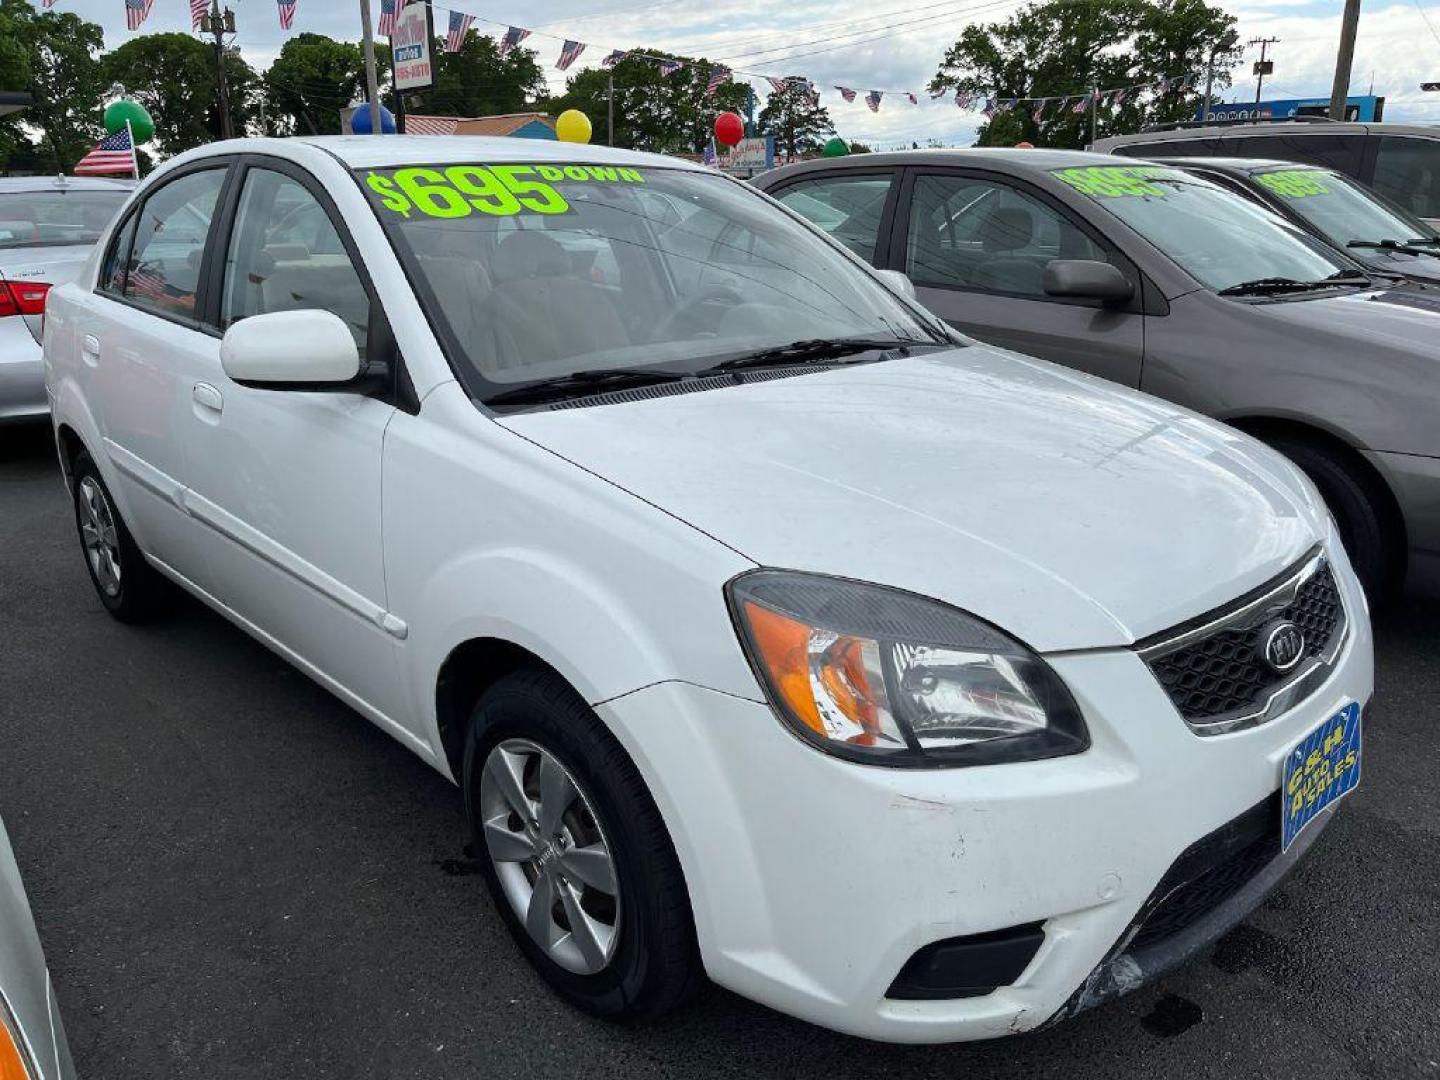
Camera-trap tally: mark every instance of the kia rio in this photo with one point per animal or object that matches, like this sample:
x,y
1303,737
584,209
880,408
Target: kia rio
x,y
772,631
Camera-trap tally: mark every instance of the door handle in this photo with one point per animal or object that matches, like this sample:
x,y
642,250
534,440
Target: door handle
x,y
90,349
207,397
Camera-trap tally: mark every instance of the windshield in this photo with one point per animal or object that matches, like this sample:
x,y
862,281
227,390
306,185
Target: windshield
x,y
541,271
1220,238
1340,210
47,218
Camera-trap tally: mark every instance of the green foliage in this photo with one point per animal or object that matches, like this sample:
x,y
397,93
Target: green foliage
x,y
312,79
1061,48
173,76
477,81
54,56
666,114
800,124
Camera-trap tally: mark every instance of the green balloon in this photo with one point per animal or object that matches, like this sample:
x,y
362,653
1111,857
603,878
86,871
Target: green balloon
x,y
836,147
117,112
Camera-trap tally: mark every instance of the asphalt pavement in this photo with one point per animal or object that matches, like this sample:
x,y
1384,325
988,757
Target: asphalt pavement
x,y
236,876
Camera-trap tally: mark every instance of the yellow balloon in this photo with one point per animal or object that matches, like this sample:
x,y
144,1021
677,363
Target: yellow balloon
x,y
572,125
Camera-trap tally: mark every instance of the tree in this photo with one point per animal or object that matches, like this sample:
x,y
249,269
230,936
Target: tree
x,y
666,114
312,79
1061,49
54,56
477,81
798,121
173,76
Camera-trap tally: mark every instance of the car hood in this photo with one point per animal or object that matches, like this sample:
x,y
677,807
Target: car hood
x,y
1406,317
1072,513
1423,268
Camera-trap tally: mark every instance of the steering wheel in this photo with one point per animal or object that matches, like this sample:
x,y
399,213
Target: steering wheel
x,y
714,294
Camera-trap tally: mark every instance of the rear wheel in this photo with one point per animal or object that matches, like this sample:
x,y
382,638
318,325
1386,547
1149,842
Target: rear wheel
x,y
1363,518
575,853
128,586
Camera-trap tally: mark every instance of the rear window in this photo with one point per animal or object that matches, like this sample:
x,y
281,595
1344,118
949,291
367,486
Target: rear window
x,y
52,218
1407,170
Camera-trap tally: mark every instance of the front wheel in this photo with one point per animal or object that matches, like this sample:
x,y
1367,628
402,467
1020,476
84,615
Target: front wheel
x,y
575,853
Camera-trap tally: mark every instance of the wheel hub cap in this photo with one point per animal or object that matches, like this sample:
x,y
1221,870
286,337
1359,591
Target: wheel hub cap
x,y
99,535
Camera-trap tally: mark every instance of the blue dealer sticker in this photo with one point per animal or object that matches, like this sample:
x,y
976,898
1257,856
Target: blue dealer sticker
x,y
1324,767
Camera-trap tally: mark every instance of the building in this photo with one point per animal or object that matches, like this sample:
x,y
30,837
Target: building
x,y
523,125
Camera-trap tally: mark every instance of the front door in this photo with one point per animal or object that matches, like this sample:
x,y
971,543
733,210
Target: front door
x,y
289,479
976,247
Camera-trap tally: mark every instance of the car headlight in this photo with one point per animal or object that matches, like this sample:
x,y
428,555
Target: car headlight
x,y
887,677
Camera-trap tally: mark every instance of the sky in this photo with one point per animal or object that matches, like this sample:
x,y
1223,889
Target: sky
x,y
854,43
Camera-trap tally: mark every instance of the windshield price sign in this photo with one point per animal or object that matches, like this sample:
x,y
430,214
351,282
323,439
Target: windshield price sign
x,y
500,190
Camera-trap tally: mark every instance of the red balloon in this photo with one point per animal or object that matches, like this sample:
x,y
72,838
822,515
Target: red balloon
x,y
729,129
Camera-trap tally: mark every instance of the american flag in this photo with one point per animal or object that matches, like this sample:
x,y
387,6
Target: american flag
x,y
287,13
614,58
991,108
669,67
48,3
912,99
1039,113
514,35
136,12
456,31
776,84
1081,106
1006,106
1118,98
569,53
198,8
719,75
964,101
846,93
147,282
872,99
710,158
388,10
112,154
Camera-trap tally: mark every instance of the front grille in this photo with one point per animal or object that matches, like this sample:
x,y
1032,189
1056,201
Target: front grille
x,y
1208,873
1215,672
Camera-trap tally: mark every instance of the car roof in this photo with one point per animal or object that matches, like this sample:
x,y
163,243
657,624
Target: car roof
x,y
63,183
1004,159
380,151
1286,127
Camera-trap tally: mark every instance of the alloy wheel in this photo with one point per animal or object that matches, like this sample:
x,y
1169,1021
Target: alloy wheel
x,y
99,535
551,856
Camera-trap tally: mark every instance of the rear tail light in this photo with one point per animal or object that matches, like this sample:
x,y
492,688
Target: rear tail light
x,y
23,297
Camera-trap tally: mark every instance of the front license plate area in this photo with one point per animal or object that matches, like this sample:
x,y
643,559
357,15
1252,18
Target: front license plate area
x,y
1324,767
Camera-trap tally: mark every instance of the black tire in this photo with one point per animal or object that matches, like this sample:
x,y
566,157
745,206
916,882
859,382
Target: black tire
x,y
1364,519
656,963
141,592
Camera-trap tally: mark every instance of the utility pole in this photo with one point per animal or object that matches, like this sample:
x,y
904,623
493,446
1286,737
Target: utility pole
x,y
1265,67
610,110
1344,59
1209,86
372,82
219,24
1094,111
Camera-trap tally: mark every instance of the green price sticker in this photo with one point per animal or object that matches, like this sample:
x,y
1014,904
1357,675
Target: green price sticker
x,y
1116,181
497,190
1294,183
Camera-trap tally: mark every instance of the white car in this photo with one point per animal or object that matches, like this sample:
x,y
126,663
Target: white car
x,y
47,227
907,685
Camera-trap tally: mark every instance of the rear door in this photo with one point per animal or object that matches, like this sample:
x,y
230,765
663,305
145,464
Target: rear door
x,y
976,245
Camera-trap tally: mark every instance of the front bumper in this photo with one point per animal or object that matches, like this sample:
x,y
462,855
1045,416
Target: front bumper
x,y
814,880
22,373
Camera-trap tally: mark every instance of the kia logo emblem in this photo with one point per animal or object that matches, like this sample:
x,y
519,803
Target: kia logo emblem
x,y
1282,645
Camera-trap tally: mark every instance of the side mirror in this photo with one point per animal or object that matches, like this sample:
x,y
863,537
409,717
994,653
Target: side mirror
x,y
1087,279
290,349
898,281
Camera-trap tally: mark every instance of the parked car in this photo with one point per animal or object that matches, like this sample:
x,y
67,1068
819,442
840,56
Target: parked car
x,y
1400,161
1386,238
47,227
32,1036
736,580
1161,280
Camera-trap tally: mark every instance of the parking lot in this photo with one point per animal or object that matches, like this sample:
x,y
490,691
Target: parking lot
x,y
235,876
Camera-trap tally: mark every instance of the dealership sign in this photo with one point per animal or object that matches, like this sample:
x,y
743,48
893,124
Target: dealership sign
x,y
1365,108
750,156
410,48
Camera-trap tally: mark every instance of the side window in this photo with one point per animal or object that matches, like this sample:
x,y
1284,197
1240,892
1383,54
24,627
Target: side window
x,y
163,272
285,255
848,207
1408,171
112,271
969,233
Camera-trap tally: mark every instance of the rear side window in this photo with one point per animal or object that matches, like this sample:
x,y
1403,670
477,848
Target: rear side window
x,y
286,255
164,267
112,273
849,208
1408,172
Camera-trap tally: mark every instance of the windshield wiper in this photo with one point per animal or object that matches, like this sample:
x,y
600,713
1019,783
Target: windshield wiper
x,y
1415,246
579,383
1271,286
815,351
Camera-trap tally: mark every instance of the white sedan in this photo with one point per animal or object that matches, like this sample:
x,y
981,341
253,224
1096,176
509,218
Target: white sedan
x,y
910,686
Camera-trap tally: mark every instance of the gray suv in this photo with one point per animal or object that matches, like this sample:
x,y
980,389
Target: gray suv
x,y
1159,279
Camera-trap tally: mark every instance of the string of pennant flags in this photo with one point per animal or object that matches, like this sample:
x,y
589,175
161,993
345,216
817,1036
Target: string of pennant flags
x,y
458,24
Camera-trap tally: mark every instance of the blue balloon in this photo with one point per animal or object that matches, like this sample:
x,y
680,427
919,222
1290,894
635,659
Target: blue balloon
x,y
360,121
